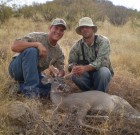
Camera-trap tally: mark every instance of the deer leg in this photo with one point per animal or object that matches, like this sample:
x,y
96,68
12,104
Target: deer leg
x,y
81,115
98,117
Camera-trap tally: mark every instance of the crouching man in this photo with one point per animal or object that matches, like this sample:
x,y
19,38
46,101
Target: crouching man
x,y
35,51
89,59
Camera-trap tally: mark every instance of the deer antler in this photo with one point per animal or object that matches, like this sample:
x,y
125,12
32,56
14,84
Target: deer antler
x,y
54,70
67,76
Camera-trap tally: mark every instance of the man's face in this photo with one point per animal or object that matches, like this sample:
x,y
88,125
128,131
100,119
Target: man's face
x,y
56,32
86,31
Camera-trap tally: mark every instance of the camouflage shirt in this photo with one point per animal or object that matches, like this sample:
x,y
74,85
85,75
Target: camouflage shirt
x,y
54,53
97,54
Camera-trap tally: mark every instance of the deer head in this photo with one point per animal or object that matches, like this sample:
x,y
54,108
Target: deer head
x,y
57,83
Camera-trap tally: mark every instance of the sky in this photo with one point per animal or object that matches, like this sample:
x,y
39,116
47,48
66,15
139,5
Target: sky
x,y
134,4
23,2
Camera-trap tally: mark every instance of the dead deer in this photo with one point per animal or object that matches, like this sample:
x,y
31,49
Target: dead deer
x,y
90,100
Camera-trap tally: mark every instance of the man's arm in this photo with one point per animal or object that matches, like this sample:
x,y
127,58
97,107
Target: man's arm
x,y
19,46
73,57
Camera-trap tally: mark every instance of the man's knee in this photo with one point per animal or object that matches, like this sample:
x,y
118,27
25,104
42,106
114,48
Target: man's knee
x,y
31,51
104,73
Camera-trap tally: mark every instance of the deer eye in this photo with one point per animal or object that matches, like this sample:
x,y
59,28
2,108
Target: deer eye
x,y
55,80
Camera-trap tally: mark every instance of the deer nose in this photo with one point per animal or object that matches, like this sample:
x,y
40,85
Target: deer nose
x,y
61,87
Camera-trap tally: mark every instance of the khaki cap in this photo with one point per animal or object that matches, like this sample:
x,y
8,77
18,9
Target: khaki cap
x,y
85,21
59,21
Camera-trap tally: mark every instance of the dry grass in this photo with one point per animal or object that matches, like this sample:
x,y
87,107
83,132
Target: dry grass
x,y
125,60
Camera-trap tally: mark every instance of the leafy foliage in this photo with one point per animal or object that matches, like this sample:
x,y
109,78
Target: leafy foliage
x,y
5,13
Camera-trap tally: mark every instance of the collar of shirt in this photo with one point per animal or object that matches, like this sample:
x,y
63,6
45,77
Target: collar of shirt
x,y
54,46
82,41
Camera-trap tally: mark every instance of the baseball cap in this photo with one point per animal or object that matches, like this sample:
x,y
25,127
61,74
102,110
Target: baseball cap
x,y
59,21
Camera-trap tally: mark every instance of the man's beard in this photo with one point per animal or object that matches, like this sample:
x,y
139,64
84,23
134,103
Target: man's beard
x,y
87,37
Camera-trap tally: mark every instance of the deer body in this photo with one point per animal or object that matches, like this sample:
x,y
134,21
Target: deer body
x,y
92,100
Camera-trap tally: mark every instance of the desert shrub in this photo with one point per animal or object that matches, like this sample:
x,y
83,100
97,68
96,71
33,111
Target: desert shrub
x,y
27,11
50,11
5,13
118,15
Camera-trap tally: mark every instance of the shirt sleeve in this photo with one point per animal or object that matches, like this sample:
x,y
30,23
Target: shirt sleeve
x,y
73,56
103,55
27,38
34,37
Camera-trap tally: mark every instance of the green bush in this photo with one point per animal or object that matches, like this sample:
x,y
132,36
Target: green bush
x,y
5,13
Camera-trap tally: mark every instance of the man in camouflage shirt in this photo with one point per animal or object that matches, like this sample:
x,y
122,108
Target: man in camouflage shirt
x,y
89,58
35,52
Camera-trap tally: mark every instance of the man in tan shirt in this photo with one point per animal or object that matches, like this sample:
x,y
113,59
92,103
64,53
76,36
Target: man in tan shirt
x,y
35,51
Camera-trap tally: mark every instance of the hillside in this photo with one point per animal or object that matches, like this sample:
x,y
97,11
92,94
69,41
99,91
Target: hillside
x,y
100,10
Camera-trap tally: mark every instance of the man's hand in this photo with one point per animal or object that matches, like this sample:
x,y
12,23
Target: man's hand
x,y
42,49
61,73
56,72
78,70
